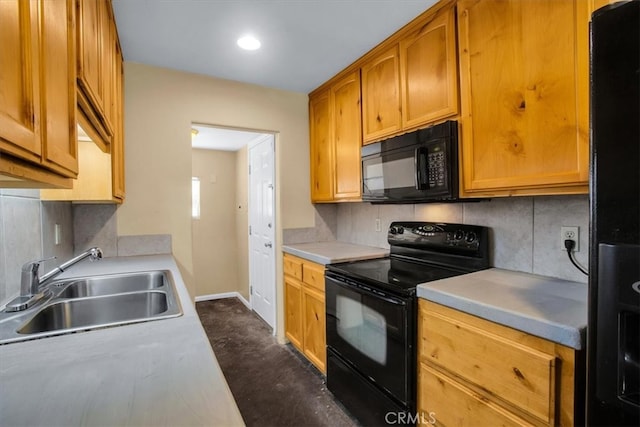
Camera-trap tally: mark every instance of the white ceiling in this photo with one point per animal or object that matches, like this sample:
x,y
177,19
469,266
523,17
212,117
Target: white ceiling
x,y
304,42
213,138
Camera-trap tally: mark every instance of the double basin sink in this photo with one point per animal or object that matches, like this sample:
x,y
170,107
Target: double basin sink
x,y
92,302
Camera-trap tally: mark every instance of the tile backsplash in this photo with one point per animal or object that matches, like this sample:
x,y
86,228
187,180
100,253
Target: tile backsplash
x,y
27,232
524,231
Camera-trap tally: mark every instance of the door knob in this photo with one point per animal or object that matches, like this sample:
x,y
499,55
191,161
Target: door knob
x,y
268,245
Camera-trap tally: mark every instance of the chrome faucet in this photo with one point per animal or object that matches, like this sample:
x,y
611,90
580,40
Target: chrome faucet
x,y
31,283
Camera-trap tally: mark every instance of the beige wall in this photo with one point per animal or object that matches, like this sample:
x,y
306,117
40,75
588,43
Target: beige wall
x,y
214,233
242,221
160,105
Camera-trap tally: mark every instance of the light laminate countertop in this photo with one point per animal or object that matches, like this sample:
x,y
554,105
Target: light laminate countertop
x,y
331,252
549,308
158,373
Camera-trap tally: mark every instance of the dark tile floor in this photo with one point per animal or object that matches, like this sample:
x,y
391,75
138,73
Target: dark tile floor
x,y
271,383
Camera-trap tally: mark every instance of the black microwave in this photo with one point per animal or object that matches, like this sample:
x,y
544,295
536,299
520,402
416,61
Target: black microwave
x,y
417,167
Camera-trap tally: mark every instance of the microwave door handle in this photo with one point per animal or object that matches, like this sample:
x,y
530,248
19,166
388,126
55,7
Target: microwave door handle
x,y
420,158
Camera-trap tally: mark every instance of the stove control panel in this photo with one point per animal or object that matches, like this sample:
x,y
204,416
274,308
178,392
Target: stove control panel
x,y
426,235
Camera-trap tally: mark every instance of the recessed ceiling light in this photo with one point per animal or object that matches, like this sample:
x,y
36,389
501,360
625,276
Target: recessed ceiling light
x,y
249,43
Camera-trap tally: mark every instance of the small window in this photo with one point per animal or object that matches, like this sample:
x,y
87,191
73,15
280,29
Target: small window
x,y
195,197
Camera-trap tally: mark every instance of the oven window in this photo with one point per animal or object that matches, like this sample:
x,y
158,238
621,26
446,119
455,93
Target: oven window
x,y
362,327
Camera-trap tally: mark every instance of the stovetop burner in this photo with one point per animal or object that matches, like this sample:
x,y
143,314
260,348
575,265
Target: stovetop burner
x,y
421,252
394,275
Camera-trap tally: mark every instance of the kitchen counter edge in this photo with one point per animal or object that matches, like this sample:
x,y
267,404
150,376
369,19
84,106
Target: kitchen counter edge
x,y
333,252
550,308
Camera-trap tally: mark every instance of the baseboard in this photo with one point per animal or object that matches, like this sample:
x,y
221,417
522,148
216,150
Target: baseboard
x,y
224,295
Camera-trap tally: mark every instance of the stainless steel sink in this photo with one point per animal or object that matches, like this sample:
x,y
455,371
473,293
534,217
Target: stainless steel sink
x,y
93,302
93,312
110,284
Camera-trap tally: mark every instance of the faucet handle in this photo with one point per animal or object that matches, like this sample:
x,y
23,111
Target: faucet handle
x,y
33,266
29,281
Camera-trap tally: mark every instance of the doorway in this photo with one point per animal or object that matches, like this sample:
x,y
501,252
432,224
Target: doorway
x,y
233,225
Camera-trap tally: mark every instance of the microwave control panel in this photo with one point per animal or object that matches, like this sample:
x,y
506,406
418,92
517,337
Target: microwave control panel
x,y
436,164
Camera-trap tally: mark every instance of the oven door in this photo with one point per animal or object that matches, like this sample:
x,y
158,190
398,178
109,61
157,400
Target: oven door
x,y
374,332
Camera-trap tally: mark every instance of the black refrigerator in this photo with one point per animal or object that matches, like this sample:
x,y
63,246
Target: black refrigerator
x,y
613,339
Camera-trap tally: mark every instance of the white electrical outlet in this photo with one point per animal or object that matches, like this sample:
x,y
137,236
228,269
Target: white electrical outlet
x,y
570,233
378,227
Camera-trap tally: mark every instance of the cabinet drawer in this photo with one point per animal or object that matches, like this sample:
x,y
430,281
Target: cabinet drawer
x,y
451,404
515,373
292,266
313,275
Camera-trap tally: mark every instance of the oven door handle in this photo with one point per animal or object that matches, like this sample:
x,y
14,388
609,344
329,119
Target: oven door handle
x,y
357,287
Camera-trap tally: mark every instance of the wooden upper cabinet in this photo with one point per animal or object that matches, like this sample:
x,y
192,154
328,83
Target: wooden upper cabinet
x,y
524,96
413,82
108,64
96,41
19,74
335,141
117,149
347,137
381,95
597,4
321,148
37,101
429,71
58,61
89,42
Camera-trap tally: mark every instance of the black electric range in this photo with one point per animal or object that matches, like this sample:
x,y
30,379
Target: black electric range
x,y
371,315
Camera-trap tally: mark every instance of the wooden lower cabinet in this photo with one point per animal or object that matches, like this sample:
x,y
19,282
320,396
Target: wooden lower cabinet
x,y
293,311
475,372
314,326
450,403
304,308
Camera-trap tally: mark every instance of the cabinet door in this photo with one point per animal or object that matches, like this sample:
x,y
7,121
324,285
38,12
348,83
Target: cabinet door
x,y
321,148
117,150
107,62
522,376
381,96
429,72
19,77
58,62
524,93
293,311
89,52
347,137
314,327
96,50
445,402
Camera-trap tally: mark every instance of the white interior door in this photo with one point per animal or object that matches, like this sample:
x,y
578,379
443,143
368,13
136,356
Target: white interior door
x,y
262,260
